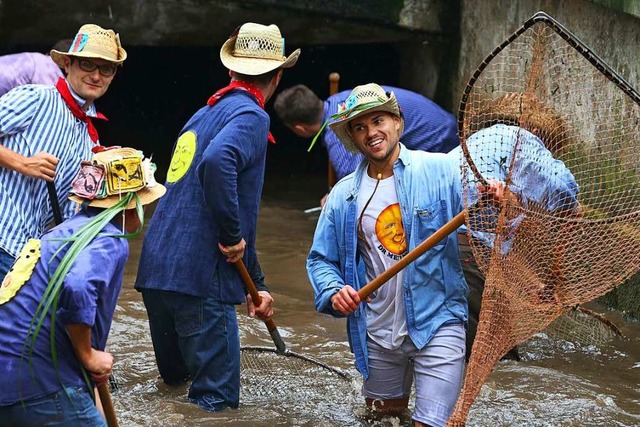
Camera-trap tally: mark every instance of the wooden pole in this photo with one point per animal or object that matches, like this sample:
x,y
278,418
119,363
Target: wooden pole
x,y
255,296
419,250
107,405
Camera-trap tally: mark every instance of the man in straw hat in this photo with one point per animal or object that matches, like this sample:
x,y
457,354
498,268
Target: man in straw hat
x,y
45,131
426,125
538,131
207,222
413,328
57,302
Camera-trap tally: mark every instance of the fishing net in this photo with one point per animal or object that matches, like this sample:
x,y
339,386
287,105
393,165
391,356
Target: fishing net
x,y
267,374
583,327
279,374
550,119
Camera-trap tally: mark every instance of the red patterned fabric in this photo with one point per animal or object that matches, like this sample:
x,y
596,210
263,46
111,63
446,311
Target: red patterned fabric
x,y
62,87
236,84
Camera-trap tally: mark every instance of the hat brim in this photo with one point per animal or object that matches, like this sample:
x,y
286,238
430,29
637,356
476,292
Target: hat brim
x,y
147,195
253,66
341,127
58,56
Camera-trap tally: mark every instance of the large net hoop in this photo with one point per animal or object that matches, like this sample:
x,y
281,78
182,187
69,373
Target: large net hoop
x,y
549,118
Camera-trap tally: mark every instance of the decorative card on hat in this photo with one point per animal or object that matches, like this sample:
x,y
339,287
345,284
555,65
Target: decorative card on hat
x,y
115,173
124,172
88,181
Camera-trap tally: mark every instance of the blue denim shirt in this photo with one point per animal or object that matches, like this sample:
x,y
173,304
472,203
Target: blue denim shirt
x,y
429,194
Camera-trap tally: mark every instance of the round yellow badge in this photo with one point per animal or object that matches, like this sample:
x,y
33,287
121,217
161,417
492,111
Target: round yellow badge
x,y
21,270
182,156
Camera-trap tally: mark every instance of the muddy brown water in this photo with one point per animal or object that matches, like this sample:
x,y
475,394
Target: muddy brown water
x,y
558,383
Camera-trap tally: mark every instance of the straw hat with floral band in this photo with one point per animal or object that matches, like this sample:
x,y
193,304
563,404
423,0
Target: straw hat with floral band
x,y
363,99
255,49
93,41
114,174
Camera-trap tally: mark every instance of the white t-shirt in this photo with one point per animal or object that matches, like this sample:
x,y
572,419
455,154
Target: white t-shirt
x,y
384,233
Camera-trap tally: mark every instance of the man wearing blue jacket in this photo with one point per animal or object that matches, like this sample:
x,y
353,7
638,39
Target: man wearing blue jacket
x,y
208,221
413,327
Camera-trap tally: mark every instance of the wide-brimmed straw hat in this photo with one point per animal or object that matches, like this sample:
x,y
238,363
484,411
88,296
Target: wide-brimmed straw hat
x,y
93,41
363,99
255,49
113,173
526,111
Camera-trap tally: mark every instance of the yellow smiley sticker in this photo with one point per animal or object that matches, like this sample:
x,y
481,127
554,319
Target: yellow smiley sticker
x,y
390,231
182,156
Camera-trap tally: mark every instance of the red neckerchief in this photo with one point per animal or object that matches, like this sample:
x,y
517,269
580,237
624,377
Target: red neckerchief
x,y
237,84
62,87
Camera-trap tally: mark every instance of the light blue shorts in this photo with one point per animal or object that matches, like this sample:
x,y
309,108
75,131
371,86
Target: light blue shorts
x,y
437,370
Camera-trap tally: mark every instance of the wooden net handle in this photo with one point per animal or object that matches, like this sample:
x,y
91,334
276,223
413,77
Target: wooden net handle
x,y
257,300
419,250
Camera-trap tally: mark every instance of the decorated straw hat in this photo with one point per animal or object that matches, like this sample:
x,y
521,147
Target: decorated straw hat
x,y
363,99
113,173
255,49
93,41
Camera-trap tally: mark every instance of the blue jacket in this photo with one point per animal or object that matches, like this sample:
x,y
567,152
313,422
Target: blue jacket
x,y
213,194
429,194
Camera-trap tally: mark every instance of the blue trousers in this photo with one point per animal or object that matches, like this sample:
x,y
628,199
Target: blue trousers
x,y
198,339
69,407
6,261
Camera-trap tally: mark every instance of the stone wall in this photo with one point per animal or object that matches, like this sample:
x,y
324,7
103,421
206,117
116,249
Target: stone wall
x,y
611,34
609,31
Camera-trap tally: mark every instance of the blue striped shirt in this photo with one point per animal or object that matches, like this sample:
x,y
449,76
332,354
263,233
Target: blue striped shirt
x,y
33,119
427,127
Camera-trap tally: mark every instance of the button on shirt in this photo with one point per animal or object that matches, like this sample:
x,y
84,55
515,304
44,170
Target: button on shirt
x,y
33,119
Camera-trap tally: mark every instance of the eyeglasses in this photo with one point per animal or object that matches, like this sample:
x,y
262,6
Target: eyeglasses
x,y
106,70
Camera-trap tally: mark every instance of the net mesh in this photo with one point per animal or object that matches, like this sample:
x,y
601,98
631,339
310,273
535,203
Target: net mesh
x,y
568,229
583,328
268,376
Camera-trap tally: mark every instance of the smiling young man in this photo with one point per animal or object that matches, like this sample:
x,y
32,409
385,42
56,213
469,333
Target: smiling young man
x,y
45,131
412,328
427,126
